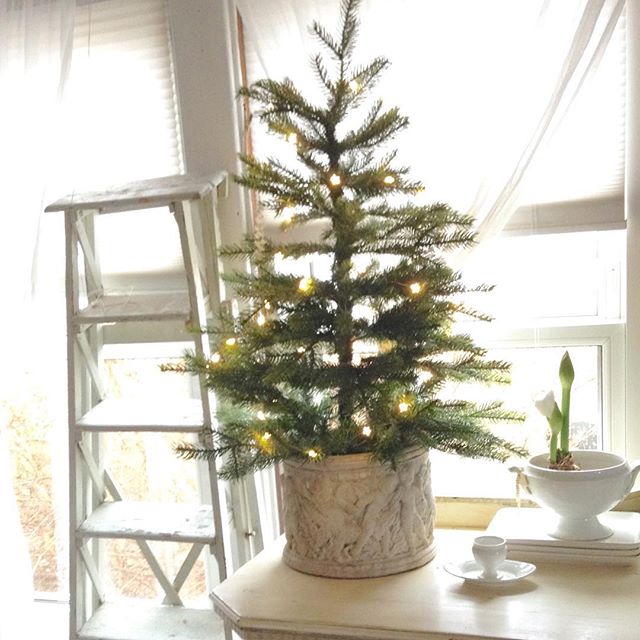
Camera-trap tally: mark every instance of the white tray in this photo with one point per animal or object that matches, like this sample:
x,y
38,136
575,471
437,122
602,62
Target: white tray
x,y
527,528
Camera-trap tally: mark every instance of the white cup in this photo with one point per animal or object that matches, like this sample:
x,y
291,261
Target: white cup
x,y
489,552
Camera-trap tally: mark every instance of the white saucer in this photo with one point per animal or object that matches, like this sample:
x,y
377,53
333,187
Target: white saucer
x,y
509,571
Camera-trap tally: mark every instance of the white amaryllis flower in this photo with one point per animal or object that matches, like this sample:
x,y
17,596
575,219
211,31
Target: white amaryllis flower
x,y
545,403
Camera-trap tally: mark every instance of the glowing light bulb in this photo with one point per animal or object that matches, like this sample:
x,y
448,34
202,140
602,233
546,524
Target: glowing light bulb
x,y
231,342
389,179
287,214
415,288
354,85
335,180
292,138
312,453
403,406
261,415
305,284
266,436
366,431
267,304
300,349
261,319
215,358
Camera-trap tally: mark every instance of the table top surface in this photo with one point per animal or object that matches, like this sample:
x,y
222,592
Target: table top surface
x,y
267,599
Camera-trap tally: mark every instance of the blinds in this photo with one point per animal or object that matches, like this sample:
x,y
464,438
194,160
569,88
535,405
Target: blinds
x,y
577,181
121,99
123,126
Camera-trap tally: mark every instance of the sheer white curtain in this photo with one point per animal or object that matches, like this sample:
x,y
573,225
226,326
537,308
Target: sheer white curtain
x,y
35,55
486,86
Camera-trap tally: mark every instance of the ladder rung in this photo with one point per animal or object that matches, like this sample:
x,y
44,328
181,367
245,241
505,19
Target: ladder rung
x,y
136,307
145,194
150,521
142,621
144,415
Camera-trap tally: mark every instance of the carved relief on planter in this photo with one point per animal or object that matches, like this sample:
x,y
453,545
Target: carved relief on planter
x,y
350,517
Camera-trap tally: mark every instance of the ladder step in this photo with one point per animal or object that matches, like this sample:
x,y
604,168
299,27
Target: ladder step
x,y
144,415
136,307
156,192
150,521
141,621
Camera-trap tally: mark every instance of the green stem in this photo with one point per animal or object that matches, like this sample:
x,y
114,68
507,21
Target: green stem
x,y
564,433
555,424
553,448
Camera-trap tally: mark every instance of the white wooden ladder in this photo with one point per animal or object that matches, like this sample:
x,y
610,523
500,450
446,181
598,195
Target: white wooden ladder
x,y
98,508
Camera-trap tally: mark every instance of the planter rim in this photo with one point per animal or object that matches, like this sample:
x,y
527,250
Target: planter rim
x,y
612,465
351,460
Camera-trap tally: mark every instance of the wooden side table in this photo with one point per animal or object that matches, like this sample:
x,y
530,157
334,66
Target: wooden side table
x,y
266,600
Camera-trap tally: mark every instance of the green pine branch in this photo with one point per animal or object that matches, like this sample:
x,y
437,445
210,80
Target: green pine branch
x,y
360,361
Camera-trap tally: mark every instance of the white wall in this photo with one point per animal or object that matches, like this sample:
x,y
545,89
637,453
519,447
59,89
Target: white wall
x,y
632,201
204,42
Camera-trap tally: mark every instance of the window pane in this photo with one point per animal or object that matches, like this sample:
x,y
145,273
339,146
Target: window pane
x,y
33,405
566,277
533,368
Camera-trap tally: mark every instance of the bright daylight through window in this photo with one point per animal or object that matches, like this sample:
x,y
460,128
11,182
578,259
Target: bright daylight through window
x,y
120,95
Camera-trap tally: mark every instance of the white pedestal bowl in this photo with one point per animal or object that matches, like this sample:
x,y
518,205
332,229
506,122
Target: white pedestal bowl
x,y
578,497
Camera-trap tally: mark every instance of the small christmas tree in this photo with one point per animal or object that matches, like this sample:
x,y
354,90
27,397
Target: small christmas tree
x,y
353,363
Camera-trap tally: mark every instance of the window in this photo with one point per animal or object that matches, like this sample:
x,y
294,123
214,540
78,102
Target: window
x,y
553,292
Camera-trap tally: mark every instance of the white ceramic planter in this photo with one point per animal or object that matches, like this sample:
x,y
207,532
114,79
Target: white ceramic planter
x,y
578,497
350,517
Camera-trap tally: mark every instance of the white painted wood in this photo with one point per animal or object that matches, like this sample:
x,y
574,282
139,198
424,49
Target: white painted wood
x,y
266,599
185,568
91,417
171,594
196,288
97,477
94,574
183,415
150,521
90,364
138,620
136,307
92,268
144,194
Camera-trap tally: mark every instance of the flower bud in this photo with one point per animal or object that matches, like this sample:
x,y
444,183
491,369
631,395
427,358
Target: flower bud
x,y
566,371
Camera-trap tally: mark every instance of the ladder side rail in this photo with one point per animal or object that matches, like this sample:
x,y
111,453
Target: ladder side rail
x,y
202,349
93,390
237,539
209,222
77,608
